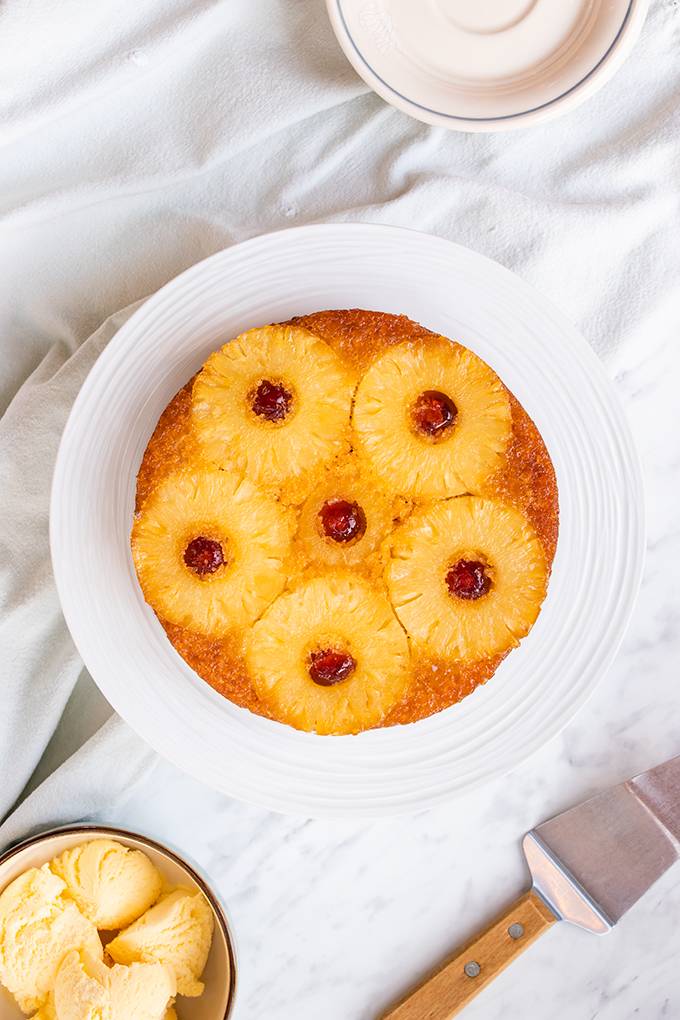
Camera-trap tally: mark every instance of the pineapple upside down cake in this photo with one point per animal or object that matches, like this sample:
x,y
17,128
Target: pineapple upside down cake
x,y
345,521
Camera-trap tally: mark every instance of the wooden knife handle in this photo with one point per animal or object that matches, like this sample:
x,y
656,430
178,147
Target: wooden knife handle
x,y
451,988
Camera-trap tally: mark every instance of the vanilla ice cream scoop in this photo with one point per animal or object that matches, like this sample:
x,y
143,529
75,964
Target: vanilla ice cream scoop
x,y
112,884
142,990
176,932
80,990
38,927
48,1013
86,989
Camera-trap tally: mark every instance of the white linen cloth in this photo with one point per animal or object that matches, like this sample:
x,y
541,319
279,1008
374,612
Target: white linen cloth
x,y
139,137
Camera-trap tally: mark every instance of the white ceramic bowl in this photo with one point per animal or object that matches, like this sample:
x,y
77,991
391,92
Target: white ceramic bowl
x,y
217,1002
544,361
490,65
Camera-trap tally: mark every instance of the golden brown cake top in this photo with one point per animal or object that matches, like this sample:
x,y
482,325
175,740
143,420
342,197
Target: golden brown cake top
x,y
517,474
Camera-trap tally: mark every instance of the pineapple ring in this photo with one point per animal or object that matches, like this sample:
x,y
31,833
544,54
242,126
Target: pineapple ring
x,y
483,533
309,425
335,612
253,535
376,516
461,457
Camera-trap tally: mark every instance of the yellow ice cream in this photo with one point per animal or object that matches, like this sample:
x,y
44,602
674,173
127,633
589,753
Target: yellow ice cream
x,y
112,884
46,1013
142,990
86,989
38,927
176,932
80,991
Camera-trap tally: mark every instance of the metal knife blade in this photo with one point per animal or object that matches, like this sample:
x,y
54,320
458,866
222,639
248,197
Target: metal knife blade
x,y
593,862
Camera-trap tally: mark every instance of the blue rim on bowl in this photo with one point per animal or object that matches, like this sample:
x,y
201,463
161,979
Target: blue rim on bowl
x,y
586,85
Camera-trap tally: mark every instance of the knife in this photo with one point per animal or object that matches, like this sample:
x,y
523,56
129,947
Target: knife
x,y
589,865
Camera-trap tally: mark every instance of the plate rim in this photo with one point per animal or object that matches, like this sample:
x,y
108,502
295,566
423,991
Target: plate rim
x,y
598,76
511,759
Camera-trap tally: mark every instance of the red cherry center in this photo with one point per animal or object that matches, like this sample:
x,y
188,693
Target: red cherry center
x,y
328,666
467,579
271,400
342,521
434,413
203,555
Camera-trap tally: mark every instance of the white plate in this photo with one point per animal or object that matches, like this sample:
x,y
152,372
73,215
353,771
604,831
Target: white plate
x,y
489,65
544,361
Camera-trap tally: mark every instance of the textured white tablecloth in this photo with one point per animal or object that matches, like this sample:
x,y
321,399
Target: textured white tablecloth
x,y
138,137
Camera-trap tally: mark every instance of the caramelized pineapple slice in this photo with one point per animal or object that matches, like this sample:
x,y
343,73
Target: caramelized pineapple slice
x,y
329,656
432,419
210,550
345,521
467,578
274,404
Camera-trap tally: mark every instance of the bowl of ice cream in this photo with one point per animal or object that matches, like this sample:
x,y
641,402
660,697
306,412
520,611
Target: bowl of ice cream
x,y
100,921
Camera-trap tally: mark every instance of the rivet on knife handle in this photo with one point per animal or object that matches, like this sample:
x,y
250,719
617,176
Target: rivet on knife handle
x,y
477,963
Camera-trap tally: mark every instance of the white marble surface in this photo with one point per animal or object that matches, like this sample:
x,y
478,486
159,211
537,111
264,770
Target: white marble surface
x,y
161,132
